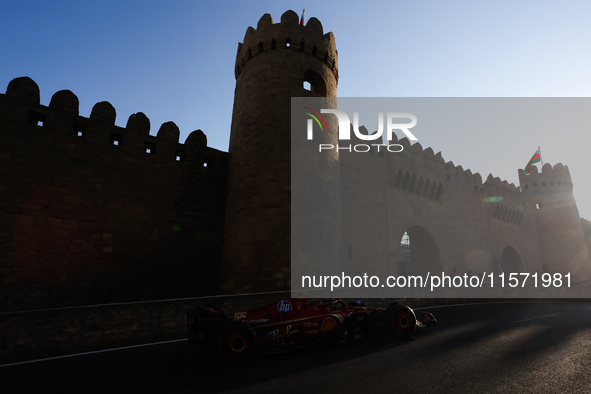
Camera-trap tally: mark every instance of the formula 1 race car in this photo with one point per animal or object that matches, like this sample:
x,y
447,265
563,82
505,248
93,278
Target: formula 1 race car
x,y
295,323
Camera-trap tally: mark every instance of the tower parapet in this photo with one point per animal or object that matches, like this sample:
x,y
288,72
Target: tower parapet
x,y
288,35
557,176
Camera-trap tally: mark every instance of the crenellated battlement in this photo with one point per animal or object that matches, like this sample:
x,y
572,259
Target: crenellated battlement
x,y
503,184
22,104
557,176
287,35
440,180
474,180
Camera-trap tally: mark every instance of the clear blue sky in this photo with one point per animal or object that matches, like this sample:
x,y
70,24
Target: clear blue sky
x,y
174,61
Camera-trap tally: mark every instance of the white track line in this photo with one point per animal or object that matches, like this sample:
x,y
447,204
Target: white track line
x,y
93,352
478,303
534,318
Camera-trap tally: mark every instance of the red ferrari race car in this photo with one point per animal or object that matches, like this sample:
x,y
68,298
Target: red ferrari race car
x,y
294,323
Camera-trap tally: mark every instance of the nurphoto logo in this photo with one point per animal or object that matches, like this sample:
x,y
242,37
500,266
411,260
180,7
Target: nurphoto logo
x,y
345,129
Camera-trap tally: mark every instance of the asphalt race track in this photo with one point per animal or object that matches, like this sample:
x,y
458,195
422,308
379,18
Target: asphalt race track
x,y
485,348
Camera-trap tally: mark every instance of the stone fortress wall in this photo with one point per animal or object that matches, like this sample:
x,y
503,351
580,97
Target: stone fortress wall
x,y
94,213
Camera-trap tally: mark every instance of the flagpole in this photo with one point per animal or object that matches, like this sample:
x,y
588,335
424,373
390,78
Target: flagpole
x,y
541,161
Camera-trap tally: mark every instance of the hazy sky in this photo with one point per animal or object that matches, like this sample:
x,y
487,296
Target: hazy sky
x,y
174,61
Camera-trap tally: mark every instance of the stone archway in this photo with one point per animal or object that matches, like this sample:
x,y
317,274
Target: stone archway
x,y
418,253
511,261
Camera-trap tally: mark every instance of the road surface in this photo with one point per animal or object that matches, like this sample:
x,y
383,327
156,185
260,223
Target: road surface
x,y
486,348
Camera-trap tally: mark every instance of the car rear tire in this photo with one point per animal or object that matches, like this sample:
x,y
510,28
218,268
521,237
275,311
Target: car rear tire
x,y
238,342
400,321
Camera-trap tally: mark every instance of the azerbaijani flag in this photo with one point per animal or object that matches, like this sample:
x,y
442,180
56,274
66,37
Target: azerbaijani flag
x,y
535,159
302,19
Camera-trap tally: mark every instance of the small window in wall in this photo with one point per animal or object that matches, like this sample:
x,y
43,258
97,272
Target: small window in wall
x,y
288,42
37,118
448,178
307,86
116,139
79,129
150,147
316,81
538,206
180,155
273,44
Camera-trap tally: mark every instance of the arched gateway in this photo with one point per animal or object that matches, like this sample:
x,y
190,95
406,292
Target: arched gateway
x,y
418,253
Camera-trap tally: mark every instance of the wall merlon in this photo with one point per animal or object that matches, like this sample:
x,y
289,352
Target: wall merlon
x,y
139,122
394,139
24,88
417,147
315,27
266,20
405,143
478,179
428,152
104,112
247,35
197,139
66,101
169,131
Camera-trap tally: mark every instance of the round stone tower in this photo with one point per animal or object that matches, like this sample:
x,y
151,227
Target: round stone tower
x,y
272,65
549,194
